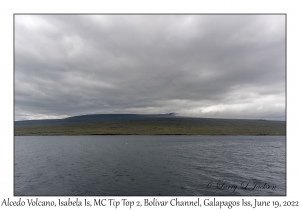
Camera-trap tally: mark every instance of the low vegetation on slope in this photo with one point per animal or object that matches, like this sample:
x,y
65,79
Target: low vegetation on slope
x,y
148,125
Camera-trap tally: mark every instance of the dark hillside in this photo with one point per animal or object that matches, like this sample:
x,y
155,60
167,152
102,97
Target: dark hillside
x,y
162,124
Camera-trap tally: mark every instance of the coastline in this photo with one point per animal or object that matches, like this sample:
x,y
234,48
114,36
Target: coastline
x,y
145,125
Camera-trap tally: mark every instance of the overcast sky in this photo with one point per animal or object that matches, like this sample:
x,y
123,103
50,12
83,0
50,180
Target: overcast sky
x,y
220,66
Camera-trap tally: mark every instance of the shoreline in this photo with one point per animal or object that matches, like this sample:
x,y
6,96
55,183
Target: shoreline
x,y
153,135
150,126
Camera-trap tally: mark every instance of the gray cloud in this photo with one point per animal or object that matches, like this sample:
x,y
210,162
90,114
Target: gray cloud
x,y
230,66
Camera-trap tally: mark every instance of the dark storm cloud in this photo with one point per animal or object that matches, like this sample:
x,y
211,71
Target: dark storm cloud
x,y
198,65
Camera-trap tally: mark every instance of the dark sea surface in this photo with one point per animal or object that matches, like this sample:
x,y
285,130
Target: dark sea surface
x,y
149,165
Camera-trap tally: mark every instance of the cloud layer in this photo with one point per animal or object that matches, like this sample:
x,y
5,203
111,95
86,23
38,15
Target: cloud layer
x,y
227,66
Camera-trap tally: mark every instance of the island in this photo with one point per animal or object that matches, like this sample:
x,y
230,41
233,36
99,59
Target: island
x,y
155,124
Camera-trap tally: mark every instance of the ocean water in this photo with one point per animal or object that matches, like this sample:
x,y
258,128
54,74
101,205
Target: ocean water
x,y
149,165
